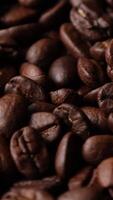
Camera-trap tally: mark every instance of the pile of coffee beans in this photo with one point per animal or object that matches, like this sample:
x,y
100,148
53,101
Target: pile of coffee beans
x,y
56,99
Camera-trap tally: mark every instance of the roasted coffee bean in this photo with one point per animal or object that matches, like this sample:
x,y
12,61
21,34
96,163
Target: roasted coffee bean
x,y
73,42
105,173
46,124
90,72
34,73
90,193
105,98
27,194
12,113
98,50
64,95
17,15
80,123
29,152
92,24
40,106
87,25
25,87
55,15
43,52
110,122
96,117
81,179
74,119
98,148
63,111
63,72
65,165
23,34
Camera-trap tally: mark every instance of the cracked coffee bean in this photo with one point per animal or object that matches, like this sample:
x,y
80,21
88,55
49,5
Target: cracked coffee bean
x,y
25,87
47,125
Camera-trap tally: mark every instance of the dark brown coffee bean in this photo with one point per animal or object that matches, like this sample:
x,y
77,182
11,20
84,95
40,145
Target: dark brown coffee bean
x,y
46,124
81,179
33,72
96,117
74,119
63,71
23,34
73,42
86,25
80,123
90,72
43,52
69,146
63,111
12,113
109,54
27,194
90,193
91,22
98,50
25,87
105,173
17,15
29,153
40,106
55,15
98,148
105,98
64,95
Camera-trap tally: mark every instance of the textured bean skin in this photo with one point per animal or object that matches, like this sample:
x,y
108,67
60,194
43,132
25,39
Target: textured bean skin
x,y
90,72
